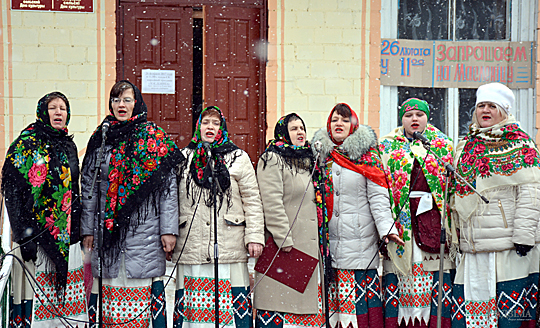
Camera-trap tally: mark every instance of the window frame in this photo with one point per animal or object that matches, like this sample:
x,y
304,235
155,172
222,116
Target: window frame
x,y
523,23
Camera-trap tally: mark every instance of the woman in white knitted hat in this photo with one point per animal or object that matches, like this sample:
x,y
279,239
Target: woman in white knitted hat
x,y
496,281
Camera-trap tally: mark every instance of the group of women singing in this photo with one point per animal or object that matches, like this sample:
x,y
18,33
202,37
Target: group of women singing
x,y
337,203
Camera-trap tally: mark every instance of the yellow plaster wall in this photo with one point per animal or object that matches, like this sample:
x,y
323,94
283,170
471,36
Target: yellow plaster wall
x,y
322,53
73,53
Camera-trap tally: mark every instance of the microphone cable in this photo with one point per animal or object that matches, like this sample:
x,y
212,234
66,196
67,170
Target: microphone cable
x,y
310,181
386,236
26,270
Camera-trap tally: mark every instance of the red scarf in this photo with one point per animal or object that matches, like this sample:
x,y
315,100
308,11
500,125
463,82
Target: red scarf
x,y
369,165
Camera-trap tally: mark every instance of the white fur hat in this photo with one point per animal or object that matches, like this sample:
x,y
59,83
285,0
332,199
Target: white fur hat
x,y
496,93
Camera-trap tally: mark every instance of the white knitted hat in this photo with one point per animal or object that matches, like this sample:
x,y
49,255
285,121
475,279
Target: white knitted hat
x,y
496,93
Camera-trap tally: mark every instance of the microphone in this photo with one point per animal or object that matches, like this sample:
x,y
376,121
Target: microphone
x,y
207,148
317,145
105,128
419,136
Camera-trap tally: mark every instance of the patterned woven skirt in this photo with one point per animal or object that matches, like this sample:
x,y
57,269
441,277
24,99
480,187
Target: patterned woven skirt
x,y
355,299
42,308
497,289
129,303
275,319
195,302
425,298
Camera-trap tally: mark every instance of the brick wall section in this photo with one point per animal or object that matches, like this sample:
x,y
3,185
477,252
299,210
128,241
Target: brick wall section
x,y
322,58
64,52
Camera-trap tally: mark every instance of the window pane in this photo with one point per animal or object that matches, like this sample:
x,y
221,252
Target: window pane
x,y
482,20
423,19
436,98
467,100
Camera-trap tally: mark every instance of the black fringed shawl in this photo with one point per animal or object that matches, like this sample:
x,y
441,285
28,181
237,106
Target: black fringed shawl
x,y
143,156
199,172
40,185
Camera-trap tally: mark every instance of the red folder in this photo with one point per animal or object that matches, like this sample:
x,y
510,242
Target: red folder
x,y
293,269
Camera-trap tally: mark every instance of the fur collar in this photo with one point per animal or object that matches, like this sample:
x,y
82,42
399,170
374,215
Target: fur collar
x,y
356,145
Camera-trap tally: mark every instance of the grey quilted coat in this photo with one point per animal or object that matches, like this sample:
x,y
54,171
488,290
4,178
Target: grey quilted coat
x,y
142,250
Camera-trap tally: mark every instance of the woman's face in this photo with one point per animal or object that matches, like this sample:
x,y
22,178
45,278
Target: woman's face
x,y
210,126
488,115
57,113
414,121
297,132
123,105
340,127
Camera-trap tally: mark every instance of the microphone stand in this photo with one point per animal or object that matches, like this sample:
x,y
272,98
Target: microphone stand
x,y
216,247
326,258
97,178
449,171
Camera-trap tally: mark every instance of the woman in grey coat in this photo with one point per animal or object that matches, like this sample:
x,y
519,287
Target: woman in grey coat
x,y
137,201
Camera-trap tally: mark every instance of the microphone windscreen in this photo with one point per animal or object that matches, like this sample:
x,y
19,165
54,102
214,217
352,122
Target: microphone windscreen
x,y
317,145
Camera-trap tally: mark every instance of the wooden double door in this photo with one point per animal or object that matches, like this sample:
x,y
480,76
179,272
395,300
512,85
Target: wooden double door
x,y
218,54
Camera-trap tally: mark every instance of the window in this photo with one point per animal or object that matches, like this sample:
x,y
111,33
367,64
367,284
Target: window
x,y
423,20
456,20
436,98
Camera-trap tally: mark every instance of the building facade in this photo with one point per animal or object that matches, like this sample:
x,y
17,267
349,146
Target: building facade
x,y
257,60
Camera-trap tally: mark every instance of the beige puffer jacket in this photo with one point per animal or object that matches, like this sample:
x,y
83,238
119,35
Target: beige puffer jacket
x,y
512,216
239,225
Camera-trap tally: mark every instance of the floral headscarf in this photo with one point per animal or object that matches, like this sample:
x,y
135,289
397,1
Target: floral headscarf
x,y
295,157
398,155
200,171
40,186
142,159
413,104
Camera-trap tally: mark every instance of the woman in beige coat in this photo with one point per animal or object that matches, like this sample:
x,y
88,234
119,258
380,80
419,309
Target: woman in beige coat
x,y
240,228
283,173
496,281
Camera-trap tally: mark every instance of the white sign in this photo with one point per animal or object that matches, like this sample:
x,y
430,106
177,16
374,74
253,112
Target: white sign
x,y
158,81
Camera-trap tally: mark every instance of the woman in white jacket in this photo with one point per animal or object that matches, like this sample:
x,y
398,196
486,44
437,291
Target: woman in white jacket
x,y
240,226
357,210
496,281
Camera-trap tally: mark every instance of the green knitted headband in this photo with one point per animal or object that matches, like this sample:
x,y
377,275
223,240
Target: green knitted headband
x,y
411,104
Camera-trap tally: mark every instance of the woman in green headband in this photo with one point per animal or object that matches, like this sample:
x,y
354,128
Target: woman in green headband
x,y
414,115
416,181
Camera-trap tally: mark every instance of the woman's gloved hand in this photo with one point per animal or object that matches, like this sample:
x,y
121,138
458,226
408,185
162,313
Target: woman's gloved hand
x,y
522,250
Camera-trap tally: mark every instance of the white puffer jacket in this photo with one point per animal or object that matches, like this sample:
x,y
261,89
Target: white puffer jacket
x,y
239,225
361,213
